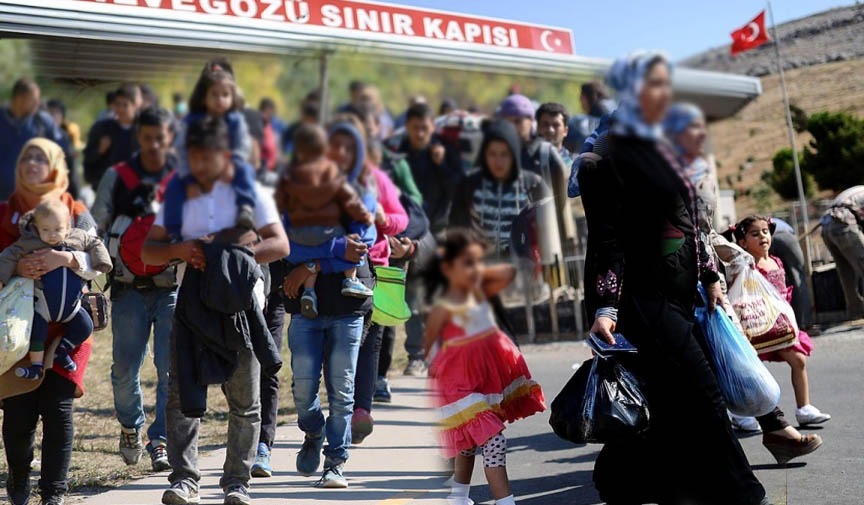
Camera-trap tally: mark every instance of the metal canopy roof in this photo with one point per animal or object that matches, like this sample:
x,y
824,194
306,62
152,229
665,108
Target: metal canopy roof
x,y
84,40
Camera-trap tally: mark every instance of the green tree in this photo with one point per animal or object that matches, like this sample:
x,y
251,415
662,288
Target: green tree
x,y
782,178
835,156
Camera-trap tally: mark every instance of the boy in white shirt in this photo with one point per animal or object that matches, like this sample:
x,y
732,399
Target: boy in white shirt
x,y
213,211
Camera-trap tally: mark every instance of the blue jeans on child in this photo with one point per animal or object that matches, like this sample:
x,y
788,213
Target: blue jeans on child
x,y
331,344
133,314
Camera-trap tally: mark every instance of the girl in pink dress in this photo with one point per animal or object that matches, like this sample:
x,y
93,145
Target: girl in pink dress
x,y
480,378
753,233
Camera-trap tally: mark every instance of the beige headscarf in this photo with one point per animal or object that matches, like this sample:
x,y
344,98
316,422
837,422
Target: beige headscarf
x,y
58,178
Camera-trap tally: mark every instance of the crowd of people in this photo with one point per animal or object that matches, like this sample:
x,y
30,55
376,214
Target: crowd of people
x,y
217,221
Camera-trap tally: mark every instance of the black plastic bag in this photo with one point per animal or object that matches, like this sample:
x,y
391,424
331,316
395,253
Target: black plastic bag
x,y
614,406
566,410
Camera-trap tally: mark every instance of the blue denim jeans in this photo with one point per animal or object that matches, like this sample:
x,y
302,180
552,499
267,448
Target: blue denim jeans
x,y
133,314
331,344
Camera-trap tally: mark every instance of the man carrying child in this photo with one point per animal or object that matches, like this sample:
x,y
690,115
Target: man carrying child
x,y
213,211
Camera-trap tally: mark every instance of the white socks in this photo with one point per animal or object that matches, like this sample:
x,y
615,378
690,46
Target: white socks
x,y
459,493
506,501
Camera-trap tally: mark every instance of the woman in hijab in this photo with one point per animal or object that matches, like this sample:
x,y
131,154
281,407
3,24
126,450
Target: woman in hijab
x,y
42,175
649,264
685,128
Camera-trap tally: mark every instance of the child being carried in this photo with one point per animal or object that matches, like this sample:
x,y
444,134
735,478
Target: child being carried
x,y
58,293
316,197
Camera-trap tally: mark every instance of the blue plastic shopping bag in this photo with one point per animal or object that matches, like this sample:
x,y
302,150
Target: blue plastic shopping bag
x,y
747,385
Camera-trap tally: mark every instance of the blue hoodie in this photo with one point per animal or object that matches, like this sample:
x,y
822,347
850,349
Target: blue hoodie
x,y
331,254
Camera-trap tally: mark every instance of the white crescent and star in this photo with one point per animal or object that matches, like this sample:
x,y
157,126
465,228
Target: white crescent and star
x,y
754,29
544,40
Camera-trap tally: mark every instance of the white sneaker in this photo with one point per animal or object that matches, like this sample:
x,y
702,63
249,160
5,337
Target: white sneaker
x,y
742,423
459,500
809,414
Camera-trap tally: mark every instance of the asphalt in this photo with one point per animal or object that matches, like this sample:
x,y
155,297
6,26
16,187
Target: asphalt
x,y
546,470
400,465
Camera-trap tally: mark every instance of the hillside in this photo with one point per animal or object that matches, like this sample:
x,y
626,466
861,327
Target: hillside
x,y
829,36
745,143
823,56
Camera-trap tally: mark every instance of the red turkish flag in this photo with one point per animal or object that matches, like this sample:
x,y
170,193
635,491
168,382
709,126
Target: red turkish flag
x,y
750,36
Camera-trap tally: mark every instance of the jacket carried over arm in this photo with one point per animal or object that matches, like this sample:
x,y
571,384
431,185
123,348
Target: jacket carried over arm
x,y
219,314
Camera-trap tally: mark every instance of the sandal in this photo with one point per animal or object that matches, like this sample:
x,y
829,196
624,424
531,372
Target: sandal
x,y
785,449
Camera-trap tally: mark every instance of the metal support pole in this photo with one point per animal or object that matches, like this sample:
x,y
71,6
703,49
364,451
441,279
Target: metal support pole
x,y
802,198
323,86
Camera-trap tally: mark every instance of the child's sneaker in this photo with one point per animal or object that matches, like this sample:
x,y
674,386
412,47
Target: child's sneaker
x,y
32,372
355,289
309,304
246,217
809,414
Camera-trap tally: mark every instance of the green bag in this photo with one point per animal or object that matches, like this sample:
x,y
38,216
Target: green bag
x,y
390,307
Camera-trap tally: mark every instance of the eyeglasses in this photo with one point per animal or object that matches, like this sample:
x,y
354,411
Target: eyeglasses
x,y
37,159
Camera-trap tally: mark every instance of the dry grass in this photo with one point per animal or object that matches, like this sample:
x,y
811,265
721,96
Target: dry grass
x,y
96,464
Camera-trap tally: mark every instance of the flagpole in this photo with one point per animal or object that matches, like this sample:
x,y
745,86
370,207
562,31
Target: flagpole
x,y
802,198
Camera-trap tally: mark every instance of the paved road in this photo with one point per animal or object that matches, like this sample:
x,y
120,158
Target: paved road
x,y
400,465
545,470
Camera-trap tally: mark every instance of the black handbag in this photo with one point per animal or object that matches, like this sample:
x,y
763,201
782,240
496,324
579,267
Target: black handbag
x,y
99,307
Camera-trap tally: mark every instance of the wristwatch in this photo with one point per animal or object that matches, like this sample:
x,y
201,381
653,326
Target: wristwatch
x,y
312,267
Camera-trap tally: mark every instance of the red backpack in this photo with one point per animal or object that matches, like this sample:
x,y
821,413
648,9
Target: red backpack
x,y
128,233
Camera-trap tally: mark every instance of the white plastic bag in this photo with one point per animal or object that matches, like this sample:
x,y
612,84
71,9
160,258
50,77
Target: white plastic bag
x,y
766,317
16,321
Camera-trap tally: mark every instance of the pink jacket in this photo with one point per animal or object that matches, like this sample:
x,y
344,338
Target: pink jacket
x,y
397,218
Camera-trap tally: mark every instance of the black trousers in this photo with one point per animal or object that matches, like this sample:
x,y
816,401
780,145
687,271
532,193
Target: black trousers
x,y
275,317
52,401
367,367
690,453
388,346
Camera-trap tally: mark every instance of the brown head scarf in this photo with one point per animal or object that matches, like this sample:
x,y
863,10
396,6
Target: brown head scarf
x,y
28,196
58,178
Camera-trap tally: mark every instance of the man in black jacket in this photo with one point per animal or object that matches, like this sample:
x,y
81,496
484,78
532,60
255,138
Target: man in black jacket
x,y
435,167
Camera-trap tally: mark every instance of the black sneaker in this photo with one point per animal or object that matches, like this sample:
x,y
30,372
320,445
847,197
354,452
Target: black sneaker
x,y
159,457
53,500
309,457
237,495
18,487
383,394
181,493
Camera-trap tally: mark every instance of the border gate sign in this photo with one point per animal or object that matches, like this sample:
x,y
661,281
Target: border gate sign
x,y
363,18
